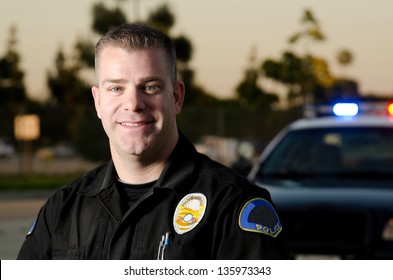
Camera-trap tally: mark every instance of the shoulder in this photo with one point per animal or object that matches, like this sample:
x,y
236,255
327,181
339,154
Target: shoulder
x,y
63,199
225,177
89,182
231,187
250,205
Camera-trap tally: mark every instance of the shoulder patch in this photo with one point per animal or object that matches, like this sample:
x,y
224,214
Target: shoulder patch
x,y
31,229
258,215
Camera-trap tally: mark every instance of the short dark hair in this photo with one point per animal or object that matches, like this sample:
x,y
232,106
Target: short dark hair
x,y
131,36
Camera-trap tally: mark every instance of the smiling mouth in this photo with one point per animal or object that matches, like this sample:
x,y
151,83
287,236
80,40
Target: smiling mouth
x,y
134,124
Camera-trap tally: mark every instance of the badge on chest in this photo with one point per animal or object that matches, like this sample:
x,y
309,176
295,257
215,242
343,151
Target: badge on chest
x,y
189,212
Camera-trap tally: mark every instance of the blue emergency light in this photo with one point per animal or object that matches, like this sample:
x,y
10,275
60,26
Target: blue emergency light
x,y
345,109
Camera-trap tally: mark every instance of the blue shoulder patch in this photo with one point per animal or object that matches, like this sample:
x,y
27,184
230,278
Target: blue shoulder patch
x,y
31,229
258,215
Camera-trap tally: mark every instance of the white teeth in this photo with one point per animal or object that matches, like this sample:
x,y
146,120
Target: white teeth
x,y
132,124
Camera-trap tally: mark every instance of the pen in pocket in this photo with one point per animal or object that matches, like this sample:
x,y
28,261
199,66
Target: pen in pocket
x,y
164,243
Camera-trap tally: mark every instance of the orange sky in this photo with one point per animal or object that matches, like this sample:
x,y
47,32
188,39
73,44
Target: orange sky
x,y
222,32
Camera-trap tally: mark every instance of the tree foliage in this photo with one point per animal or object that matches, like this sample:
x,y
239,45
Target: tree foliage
x,y
344,57
250,94
85,52
12,88
161,18
184,48
307,76
311,29
105,18
66,86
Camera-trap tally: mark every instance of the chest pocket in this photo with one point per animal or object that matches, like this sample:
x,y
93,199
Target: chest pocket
x,y
85,238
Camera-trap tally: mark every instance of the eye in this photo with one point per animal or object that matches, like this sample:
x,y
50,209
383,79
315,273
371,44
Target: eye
x,y
115,89
152,89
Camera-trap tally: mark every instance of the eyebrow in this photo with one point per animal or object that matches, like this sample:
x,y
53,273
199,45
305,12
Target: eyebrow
x,y
125,81
114,81
151,79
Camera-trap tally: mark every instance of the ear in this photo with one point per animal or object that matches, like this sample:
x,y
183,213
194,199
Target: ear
x,y
178,95
96,95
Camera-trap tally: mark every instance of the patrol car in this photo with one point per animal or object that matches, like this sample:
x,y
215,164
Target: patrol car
x,y
331,179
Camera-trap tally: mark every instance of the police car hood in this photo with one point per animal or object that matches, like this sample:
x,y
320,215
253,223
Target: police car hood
x,y
330,196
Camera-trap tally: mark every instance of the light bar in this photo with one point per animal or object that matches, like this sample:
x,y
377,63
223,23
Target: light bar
x,y
346,109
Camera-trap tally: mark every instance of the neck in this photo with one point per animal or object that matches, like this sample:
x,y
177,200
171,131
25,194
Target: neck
x,y
136,169
131,172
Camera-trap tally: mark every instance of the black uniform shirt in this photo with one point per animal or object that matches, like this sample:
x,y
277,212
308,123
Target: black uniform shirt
x,y
197,209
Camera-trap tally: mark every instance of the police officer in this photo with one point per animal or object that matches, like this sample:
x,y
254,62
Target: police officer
x,y
157,198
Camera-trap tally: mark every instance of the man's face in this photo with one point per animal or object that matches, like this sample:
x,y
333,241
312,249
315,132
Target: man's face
x,y
137,102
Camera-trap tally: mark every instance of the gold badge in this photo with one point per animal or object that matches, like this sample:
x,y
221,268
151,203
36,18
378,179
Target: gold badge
x,y
189,212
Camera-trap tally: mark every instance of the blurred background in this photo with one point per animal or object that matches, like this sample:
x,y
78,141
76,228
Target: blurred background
x,y
250,68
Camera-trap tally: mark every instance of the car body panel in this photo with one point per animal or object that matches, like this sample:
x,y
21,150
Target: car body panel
x,y
332,213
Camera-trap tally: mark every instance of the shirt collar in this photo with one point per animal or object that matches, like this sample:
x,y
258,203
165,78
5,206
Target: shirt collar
x,y
179,171
177,175
102,179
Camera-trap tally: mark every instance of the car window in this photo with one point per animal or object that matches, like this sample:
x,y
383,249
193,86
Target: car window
x,y
332,151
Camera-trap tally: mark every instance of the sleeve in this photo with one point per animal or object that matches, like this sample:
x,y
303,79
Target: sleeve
x,y
252,229
37,245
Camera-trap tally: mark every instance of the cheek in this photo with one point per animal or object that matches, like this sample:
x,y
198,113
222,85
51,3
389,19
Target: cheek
x,y
108,110
105,110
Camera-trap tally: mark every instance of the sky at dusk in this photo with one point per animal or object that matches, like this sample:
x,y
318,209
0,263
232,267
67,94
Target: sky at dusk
x,y
223,32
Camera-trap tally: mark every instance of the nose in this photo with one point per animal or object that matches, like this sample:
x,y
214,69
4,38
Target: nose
x,y
133,101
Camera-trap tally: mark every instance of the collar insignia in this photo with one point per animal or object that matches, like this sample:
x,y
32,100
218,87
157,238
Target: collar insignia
x,y
258,215
189,212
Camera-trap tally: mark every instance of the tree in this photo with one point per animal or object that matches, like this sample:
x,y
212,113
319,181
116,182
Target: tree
x,y
196,95
85,52
184,49
105,18
345,87
311,30
12,88
291,71
161,18
307,76
66,86
344,58
249,93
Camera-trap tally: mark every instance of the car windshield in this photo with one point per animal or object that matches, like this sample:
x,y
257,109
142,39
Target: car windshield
x,y
332,154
